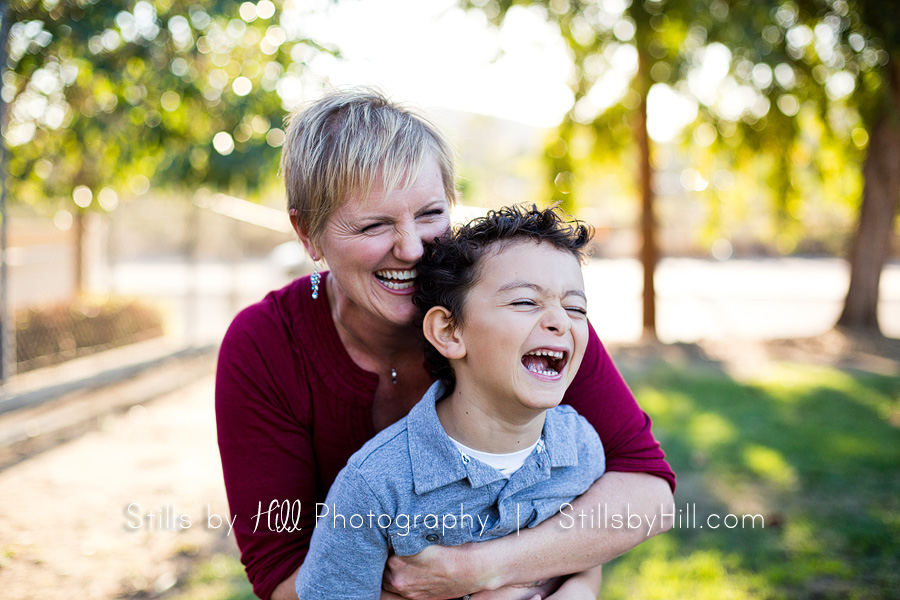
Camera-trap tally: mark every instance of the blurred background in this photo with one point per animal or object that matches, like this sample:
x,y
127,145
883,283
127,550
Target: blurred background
x,y
740,162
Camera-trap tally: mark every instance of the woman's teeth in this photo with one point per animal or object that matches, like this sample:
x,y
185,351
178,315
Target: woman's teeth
x,y
397,280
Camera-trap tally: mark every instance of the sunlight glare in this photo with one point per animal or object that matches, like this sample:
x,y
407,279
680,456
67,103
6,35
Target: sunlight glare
x,y
705,79
668,112
445,56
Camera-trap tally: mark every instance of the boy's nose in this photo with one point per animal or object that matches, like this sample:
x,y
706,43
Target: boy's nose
x,y
556,320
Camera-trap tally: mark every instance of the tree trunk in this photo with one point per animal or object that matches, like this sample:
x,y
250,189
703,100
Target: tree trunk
x,y
649,252
881,196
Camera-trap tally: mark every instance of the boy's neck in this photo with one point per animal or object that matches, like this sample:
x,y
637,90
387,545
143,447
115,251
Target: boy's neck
x,y
482,423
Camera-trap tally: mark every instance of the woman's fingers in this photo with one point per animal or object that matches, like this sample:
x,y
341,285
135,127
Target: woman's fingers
x,y
434,573
506,593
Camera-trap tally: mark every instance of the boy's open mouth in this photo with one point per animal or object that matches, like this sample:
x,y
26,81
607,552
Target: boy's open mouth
x,y
397,280
545,362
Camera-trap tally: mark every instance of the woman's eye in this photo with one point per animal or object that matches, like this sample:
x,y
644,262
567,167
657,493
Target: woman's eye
x,y
433,213
371,228
577,309
524,303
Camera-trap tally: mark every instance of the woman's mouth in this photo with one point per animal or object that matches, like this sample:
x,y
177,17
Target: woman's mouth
x,y
545,362
396,280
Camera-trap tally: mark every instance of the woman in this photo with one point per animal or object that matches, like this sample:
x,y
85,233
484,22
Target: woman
x,y
313,371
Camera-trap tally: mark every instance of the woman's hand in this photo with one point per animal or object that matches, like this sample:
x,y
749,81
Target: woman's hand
x,y
434,573
534,591
581,586
443,572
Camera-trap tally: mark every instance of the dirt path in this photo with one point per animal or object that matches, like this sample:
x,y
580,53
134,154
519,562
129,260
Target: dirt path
x,y
65,529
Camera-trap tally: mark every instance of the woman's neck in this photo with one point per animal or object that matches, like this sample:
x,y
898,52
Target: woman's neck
x,y
484,425
382,341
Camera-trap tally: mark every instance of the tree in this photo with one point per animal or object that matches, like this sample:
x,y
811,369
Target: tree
x,y
880,107
790,79
109,97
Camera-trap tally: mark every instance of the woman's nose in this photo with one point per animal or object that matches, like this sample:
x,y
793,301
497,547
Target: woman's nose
x,y
408,245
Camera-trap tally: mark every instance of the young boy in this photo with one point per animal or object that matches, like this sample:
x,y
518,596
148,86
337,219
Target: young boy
x,y
487,450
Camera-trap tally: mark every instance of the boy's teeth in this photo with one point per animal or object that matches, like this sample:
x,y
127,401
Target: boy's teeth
x,y
549,372
550,353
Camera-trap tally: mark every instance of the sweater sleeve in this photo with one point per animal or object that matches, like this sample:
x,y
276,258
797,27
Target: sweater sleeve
x,y
599,393
265,443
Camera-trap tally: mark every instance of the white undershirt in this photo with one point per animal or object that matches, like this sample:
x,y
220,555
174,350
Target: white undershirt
x,y
507,464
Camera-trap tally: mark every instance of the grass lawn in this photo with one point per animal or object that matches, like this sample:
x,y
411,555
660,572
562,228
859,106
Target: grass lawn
x,y
814,450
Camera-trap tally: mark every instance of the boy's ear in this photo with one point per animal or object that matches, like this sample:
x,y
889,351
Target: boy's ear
x,y
440,332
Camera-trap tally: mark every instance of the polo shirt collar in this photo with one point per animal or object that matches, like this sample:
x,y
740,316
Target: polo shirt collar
x,y
560,439
437,462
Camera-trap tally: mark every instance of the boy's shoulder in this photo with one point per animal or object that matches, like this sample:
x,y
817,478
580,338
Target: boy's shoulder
x,y
389,449
566,416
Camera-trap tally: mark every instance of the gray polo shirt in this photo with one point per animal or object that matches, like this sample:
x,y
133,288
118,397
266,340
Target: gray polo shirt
x,y
410,487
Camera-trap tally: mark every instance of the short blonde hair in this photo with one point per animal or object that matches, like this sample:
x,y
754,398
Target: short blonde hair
x,y
349,140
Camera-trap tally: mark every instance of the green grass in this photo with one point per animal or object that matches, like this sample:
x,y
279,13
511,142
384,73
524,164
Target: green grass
x,y
220,577
815,451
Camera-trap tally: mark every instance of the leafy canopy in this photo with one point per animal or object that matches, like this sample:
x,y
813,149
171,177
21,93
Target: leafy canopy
x,y
107,97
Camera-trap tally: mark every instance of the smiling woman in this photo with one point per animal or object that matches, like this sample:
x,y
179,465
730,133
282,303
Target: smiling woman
x,y
316,369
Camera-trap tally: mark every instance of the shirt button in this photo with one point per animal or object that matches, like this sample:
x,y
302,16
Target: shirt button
x,y
431,537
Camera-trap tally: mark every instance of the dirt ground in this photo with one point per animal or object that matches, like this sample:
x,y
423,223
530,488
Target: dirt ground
x,y
66,530
122,511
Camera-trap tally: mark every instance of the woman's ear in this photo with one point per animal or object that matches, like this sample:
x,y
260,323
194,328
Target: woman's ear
x,y
305,240
442,334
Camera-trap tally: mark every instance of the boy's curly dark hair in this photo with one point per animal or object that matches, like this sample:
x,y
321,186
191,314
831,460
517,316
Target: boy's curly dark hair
x,y
449,266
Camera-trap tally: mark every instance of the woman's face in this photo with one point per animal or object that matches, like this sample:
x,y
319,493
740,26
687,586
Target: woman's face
x,y
372,244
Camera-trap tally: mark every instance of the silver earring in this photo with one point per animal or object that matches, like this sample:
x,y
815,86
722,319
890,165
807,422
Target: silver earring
x,y
314,280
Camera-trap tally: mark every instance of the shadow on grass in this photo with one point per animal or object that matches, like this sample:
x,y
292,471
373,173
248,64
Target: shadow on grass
x,y
815,451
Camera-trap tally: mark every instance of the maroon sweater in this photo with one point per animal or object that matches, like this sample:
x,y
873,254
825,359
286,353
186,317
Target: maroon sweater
x,y
292,406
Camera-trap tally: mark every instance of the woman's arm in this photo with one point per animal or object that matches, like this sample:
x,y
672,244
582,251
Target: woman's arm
x,y
266,449
285,589
571,543
558,546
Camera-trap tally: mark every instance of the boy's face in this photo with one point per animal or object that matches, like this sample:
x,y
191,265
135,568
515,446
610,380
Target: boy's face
x,y
524,328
